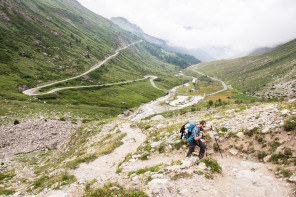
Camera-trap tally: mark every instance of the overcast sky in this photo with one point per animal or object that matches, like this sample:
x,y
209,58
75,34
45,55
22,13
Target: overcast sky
x,y
237,26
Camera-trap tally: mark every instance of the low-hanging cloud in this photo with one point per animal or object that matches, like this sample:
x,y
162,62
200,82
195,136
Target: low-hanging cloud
x,y
236,26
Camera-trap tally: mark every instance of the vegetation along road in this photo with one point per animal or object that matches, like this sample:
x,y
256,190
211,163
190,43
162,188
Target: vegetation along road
x,y
215,79
33,91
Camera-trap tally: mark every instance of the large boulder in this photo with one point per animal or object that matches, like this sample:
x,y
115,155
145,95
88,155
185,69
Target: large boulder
x,y
160,126
279,149
285,112
155,144
265,130
189,162
267,158
157,117
158,181
233,151
293,179
201,166
240,135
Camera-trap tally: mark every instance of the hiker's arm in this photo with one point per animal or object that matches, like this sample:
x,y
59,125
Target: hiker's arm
x,y
199,137
207,129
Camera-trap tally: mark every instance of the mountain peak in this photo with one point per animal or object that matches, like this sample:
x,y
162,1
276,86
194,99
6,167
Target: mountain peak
x,y
127,25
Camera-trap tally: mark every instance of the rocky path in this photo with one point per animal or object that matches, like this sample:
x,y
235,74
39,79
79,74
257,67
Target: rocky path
x,y
158,106
133,164
105,166
32,91
238,179
180,102
248,178
152,78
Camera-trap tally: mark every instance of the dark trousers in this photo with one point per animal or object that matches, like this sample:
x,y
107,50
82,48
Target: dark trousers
x,y
192,145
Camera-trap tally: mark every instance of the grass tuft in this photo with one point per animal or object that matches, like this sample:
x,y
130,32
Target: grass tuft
x,y
213,164
290,124
113,189
180,176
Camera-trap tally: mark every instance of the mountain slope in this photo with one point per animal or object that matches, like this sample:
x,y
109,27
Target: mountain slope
x,y
43,41
47,40
53,40
268,75
128,26
262,50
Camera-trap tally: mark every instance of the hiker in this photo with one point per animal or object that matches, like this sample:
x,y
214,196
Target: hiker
x,y
195,139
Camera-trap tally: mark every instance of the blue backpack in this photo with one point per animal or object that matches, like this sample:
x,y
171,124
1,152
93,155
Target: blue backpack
x,y
186,130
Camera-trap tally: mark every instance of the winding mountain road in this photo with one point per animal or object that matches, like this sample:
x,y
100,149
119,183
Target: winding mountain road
x,y
215,79
90,86
31,92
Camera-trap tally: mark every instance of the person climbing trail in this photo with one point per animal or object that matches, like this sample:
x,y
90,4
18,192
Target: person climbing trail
x,y
198,132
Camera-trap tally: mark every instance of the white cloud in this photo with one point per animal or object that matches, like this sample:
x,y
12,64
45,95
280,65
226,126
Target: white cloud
x,y
236,25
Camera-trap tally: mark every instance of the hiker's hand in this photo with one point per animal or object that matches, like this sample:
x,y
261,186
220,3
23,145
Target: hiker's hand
x,y
204,134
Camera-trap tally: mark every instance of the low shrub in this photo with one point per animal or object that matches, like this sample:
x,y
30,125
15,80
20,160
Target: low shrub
x,y
261,154
224,129
275,157
155,168
119,170
179,144
259,138
287,173
15,122
113,189
145,156
180,175
48,181
213,164
251,132
5,192
290,124
215,147
161,148
274,146
287,152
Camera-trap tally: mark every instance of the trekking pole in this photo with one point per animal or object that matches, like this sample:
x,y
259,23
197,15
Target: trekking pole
x,y
219,147
206,148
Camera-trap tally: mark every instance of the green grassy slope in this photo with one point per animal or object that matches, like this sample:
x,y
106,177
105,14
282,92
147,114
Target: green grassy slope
x,y
178,59
130,64
43,41
48,40
263,75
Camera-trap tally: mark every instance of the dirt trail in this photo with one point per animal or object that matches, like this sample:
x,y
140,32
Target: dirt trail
x,y
155,160
105,166
239,178
248,178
